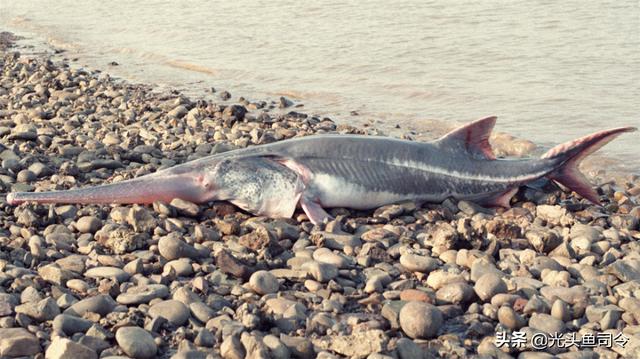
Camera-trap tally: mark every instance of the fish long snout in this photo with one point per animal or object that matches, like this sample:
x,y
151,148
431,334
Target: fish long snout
x,y
143,190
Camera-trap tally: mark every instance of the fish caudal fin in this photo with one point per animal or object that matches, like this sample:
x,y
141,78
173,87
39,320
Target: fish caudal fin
x,y
571,153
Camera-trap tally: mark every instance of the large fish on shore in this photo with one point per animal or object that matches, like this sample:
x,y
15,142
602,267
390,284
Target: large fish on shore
x,y
360,172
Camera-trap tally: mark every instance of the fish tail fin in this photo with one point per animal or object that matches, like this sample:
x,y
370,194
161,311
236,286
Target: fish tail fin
x,y
570,154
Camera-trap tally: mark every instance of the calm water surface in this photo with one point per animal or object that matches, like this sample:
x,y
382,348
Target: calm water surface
x,y
551,70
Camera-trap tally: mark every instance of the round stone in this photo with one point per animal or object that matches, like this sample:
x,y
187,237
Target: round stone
x,y
439,278
88,224
69,324
420,320
172,310
107,272
17,342
509,318
417,263
143,294
201,311
25,176
455,293
101,304
488,285
546,323
171,247
322,272
560,310
263,282
325,255
573,295
136,342
416,295
182,267
41,311
61,348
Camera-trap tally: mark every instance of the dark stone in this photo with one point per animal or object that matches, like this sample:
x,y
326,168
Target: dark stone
x,y
225,95
236,112
233,266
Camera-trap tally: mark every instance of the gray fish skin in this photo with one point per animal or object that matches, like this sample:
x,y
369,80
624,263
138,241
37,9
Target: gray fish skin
x,y
366,172
360,172
258,185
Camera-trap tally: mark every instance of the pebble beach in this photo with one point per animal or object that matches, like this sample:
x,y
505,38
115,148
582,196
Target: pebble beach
x,y
181,280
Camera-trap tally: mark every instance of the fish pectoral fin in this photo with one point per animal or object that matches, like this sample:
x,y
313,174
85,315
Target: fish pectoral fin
x,y
314,210
271,207
311,208
473,137
277,207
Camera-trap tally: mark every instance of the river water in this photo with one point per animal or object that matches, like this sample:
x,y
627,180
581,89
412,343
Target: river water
x,y
550,70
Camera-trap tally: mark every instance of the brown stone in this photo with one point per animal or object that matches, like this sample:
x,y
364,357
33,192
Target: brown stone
x,y
503,230
416,295
519,304
16,342
232,265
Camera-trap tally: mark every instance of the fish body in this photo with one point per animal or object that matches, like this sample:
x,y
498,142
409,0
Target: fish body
x,y
365,172
361,172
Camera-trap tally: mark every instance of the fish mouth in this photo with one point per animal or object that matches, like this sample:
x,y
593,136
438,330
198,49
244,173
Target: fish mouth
x,y
11,199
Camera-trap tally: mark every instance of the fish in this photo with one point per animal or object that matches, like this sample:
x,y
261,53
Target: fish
x,y
351,171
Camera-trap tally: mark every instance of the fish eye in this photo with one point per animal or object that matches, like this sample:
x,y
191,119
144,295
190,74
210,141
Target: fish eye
x,y
203,181
207,182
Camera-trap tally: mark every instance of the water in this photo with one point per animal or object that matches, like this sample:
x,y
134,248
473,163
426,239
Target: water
x,y
551,70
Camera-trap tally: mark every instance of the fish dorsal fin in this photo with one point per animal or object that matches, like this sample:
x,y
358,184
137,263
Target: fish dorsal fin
x,y
474,137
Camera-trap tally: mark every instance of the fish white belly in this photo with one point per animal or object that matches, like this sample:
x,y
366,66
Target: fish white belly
x,y
335,191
